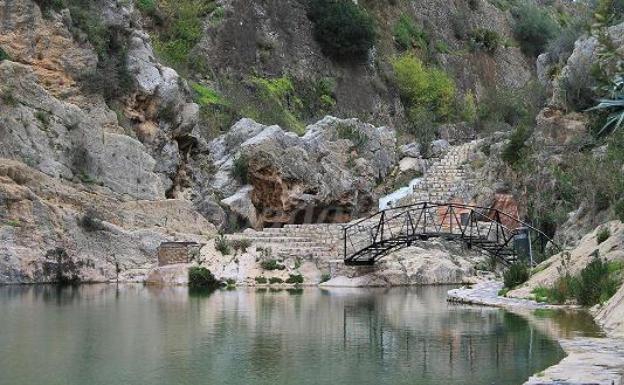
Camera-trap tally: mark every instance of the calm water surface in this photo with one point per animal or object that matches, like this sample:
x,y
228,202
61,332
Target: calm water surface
x,y
107,334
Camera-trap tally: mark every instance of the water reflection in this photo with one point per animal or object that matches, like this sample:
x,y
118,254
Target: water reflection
x,y
106,334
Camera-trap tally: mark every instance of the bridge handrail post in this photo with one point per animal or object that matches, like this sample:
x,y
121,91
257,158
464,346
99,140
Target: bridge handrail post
x,y
345,243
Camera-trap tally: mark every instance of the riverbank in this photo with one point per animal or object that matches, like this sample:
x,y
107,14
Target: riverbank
x,y
589,361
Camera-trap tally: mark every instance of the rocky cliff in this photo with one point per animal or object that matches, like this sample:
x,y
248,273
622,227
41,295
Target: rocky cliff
x,y
127,123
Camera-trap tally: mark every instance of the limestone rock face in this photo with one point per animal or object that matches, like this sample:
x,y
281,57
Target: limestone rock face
x,y
61,140
52,230
578,69
325,175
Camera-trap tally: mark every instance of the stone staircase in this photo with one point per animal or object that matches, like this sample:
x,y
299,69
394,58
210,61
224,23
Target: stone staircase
x,y
447,179
312,242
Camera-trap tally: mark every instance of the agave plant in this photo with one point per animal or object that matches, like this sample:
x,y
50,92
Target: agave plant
x,y
615,104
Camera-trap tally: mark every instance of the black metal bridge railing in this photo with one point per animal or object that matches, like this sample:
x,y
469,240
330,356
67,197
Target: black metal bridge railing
x,y
501,235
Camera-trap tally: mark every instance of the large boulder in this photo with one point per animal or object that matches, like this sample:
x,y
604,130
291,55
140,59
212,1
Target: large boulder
x,y
326,175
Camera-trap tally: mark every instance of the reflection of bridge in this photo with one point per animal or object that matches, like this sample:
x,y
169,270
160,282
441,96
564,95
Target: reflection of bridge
x,y
501,235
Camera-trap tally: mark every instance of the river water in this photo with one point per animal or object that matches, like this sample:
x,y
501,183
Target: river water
x,y
130,334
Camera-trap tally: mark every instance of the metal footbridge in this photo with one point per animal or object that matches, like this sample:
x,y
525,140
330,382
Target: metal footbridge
x,y
501,235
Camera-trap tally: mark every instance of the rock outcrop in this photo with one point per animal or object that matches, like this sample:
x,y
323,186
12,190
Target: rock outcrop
x,y
327,175
53,230
576,259
427,263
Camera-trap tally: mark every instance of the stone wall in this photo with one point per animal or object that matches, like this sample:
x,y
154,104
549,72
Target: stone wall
x,y
170,253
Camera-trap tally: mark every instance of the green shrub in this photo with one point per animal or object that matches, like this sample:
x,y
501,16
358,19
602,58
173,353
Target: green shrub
x,y
277,103
533,28
422,126
275,280
295,279
272,264
200,277
146,6
515,152
240,244
44,118
352,133
609,11
231,282
428,88
603,234
468,111
515,275
408,35
614,105
485,40
4,55
325,277
260,280
596,284
111,78
222,245
240,169
503,292
619,210
182,28
91,221
344,29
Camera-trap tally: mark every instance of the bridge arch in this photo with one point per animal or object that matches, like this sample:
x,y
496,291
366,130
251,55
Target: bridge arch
x,y
499,234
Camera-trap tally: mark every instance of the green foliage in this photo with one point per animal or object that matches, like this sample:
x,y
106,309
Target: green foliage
x,y
614,105
468,111
344,30
230,282
275,280
533,28
7,97
408,35
442,47
13,223
272,264
44,118
485,40
603,234
325,277
240,244
205,96
240,169
422,87
111,77
222,245
182,27
278,103
595,284
91,221
515,152
146,6
503,292
609,12
260,280
200,278
4,55
352,133
295,279
515,275
619,210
